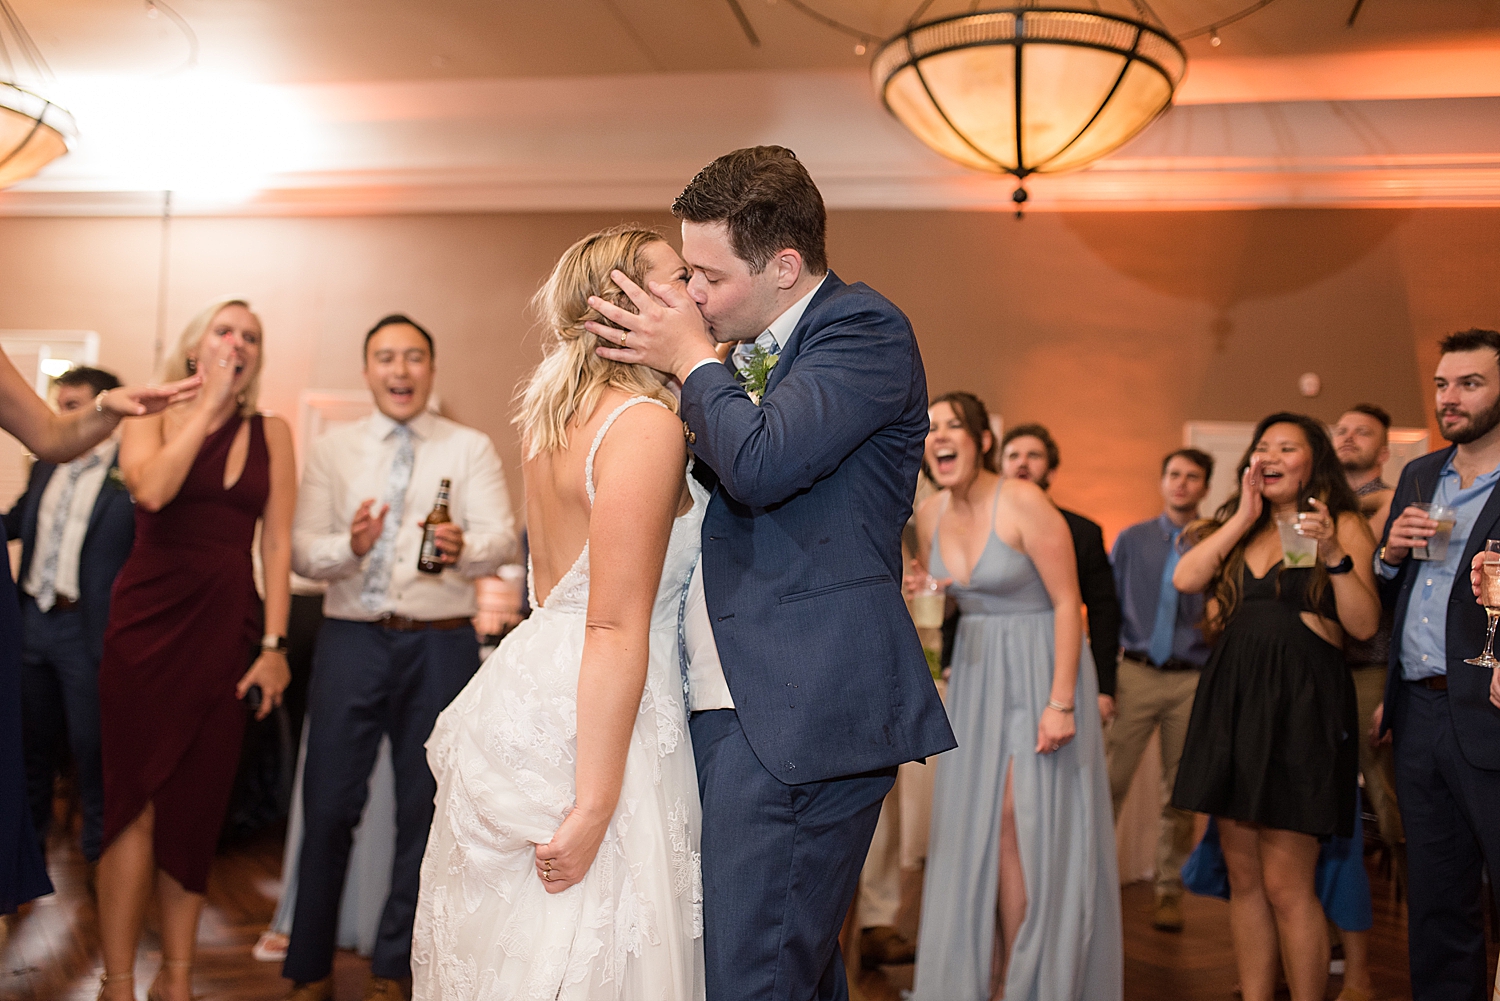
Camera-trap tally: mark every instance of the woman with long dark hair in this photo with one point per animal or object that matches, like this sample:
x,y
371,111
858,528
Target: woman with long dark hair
x,y
1271,746
1021,898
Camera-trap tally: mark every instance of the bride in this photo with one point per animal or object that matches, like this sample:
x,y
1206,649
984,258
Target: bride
x,y
563,858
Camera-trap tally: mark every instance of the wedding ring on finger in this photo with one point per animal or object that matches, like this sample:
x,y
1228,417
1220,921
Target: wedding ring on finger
x,y
624,337
547,875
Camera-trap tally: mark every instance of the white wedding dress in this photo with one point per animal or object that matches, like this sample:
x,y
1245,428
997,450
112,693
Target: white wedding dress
x,y
503,755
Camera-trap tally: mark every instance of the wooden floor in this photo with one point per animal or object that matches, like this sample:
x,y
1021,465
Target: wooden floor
x,y
52,952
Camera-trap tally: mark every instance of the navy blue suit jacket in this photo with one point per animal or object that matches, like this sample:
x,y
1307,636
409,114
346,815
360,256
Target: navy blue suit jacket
x,y
106,545
802,542
1476,721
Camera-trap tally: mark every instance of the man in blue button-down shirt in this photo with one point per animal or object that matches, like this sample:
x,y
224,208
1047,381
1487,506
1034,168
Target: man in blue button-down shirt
x,y
1447,732
1162,651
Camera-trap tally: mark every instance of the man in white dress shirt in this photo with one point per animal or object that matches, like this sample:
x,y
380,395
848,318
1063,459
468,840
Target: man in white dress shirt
x,y
76,524
396,645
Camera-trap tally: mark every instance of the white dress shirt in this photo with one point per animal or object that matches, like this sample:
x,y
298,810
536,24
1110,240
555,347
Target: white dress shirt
x,y
76,525
351,465
707,688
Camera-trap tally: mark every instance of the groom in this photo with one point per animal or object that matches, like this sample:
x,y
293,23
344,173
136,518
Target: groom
x,y
819,689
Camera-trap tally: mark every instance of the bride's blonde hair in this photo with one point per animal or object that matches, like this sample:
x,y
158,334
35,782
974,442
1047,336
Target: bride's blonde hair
x,y
569,380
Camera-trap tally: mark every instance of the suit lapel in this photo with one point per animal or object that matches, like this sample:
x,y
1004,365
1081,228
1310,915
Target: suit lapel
x,y
34,499
1482,530
102,500
831,285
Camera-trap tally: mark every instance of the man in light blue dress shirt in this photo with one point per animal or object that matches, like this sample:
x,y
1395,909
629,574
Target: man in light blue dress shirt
x,y
1437,706
1162,650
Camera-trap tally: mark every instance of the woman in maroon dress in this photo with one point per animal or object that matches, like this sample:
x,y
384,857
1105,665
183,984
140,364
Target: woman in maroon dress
x,y
184,621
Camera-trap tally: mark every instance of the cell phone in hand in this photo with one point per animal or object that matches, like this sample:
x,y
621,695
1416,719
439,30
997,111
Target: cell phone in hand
x,y
254,697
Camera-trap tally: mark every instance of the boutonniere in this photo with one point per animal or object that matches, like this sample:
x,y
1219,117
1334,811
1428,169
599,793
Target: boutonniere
x,y
115,478
757,372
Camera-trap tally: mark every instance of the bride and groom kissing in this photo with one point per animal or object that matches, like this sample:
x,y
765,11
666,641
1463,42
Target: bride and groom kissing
x,y
734,638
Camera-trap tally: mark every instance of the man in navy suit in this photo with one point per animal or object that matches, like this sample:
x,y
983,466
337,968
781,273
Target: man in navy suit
x,y
1446,729
76,523
810,685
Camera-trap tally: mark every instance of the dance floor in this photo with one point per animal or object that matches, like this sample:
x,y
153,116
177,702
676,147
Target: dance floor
x,y
52,951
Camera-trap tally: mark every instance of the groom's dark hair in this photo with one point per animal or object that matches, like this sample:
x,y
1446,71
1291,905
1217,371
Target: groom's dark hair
x,y
766,200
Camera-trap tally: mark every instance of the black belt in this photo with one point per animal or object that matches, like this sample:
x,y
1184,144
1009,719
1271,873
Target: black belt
x,y
1171,663
1436,683
402,624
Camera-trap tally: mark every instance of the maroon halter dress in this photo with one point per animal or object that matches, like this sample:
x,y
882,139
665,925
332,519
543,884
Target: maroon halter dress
x,y
184,620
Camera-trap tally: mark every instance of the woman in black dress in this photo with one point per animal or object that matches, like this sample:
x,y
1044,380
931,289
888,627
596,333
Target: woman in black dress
x,y
1271,747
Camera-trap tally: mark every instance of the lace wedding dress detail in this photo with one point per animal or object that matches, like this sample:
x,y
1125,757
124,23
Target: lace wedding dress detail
x,y
503,755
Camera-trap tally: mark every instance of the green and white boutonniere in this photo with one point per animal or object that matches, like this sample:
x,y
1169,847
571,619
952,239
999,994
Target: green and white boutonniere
x,y
757,371
115,478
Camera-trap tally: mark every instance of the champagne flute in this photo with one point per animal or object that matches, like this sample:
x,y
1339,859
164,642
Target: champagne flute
x,y
1489,597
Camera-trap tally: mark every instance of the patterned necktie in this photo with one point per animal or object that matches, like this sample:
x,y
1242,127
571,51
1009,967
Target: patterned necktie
x,y
378,570
1166,609
742,352
47,596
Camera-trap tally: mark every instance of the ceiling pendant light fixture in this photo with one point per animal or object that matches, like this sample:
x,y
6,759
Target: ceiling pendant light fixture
x,y
33,130
33,133
1028,90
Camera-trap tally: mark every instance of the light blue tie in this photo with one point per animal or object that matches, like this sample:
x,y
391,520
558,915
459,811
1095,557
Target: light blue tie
x,y
1166,609
48,591
742,352
378,570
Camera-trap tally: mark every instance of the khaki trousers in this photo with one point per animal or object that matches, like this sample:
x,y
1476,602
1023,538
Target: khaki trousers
x,y
1145,699
1377,764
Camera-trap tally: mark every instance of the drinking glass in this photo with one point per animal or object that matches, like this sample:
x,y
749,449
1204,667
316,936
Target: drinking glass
x,y
1489,597
927,605
1436,549
1297,550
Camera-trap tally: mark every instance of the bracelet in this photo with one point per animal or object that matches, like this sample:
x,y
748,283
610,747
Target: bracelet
x,y
1058,706
99,406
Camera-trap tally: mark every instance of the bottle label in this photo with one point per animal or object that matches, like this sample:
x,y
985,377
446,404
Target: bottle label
x,y
429,545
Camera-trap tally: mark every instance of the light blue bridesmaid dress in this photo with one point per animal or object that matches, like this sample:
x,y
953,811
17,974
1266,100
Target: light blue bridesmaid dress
x,y
1069,945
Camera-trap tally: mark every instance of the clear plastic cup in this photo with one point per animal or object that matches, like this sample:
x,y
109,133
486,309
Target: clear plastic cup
x,y
1436,549
1297,550
927,606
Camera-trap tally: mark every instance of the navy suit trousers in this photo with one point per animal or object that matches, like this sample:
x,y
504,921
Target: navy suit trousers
x,y
60,708
367,681
1451,811
780,867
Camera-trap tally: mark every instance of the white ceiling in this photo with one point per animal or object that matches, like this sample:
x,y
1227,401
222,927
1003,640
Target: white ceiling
x,y
335,106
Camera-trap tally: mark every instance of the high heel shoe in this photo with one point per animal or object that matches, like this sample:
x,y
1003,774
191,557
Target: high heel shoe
x,y
177,964
105,979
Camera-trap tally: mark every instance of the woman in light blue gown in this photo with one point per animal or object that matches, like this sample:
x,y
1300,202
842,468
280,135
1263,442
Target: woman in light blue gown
x,y
1022,830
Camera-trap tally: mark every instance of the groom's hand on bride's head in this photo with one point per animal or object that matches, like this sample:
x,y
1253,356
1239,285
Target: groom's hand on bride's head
x,y
666,332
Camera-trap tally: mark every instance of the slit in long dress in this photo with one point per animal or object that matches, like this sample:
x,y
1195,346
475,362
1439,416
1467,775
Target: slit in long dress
x,y
1010,896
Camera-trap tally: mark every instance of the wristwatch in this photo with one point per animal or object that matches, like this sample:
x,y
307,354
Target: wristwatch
x,y
1342,566
270,641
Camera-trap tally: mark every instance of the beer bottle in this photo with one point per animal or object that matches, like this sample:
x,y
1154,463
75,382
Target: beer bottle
x,y
430,560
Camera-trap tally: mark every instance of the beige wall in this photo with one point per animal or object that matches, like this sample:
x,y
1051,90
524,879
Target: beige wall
x,y
1112,328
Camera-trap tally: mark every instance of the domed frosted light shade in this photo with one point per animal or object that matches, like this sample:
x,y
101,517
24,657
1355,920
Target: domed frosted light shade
x,y
33,133
1028,90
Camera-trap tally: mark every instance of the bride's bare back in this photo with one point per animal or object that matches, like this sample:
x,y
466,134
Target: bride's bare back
x,y
558,513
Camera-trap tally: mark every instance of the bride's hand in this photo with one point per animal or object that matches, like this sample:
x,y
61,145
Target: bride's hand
x,y
565,860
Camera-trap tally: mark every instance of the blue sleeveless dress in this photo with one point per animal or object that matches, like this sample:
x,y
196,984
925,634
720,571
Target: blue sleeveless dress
x,y
1069,945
